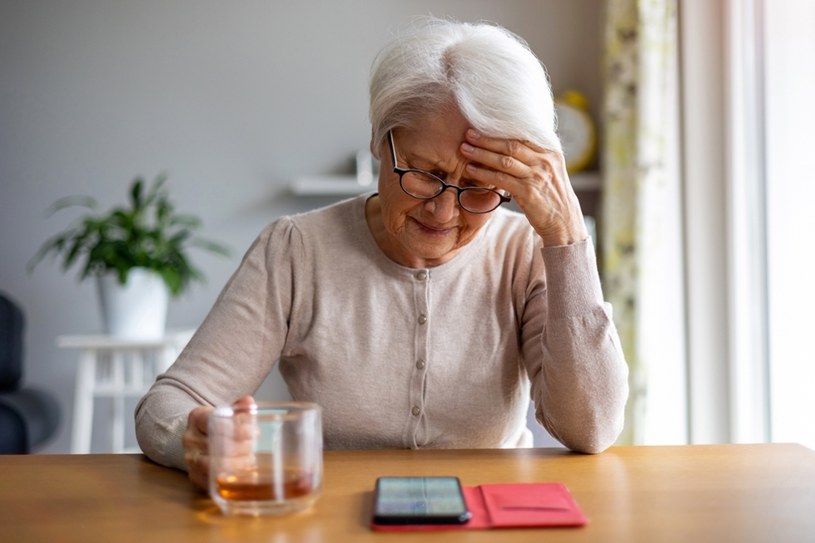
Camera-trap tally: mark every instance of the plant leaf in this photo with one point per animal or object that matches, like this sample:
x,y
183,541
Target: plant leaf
x,y
148,233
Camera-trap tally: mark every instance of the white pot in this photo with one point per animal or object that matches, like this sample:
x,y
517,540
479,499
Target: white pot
x,y
137,309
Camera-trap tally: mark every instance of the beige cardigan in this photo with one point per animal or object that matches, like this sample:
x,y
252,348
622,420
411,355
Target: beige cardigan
x,y
400,357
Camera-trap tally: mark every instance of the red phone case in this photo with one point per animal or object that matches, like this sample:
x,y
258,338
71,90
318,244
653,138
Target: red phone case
x,y
510,505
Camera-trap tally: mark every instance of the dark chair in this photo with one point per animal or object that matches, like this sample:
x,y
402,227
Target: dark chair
x,y
28,416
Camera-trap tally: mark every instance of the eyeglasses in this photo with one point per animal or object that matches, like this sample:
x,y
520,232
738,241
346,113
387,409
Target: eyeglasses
x,y
426,186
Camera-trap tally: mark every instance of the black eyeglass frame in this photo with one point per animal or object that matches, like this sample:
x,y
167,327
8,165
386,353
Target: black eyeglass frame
x,y
503,198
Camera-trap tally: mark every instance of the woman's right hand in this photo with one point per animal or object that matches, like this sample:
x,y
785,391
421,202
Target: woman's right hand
x,y
195,442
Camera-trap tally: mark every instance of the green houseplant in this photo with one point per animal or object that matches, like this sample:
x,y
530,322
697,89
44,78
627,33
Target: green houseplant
x,y
146,238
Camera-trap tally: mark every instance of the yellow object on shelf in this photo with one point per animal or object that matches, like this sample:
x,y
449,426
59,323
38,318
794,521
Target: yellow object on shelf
x,y
576,129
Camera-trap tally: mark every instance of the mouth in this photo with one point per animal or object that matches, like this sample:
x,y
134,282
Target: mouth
x,y
433,230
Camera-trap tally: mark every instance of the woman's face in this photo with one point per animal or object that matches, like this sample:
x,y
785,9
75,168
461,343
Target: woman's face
x,y
424,233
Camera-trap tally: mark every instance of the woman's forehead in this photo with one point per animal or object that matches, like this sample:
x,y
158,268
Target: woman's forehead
x,y
433,137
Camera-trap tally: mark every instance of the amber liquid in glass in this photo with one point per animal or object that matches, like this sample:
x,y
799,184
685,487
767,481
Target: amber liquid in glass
x,y
259,485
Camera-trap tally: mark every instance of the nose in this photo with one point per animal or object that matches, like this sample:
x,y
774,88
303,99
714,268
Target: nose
x,y
443,207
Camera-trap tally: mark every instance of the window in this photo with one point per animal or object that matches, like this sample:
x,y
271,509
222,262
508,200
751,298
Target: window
x,y
751,362
789,87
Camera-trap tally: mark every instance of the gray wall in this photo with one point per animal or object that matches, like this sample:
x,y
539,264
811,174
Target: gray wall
x,y
232,100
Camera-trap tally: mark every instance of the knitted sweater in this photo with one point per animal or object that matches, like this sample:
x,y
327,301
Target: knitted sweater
x,y
399,357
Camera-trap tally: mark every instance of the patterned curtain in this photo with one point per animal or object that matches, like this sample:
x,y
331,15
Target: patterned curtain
x,y
640,54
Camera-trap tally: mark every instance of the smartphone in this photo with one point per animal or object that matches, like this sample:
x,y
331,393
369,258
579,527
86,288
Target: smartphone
x,y
420,500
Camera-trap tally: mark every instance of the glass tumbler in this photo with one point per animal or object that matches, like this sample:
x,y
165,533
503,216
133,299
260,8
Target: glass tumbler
x,y
266,458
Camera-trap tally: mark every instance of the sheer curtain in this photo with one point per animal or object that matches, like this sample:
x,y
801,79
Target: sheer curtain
x,y
641,225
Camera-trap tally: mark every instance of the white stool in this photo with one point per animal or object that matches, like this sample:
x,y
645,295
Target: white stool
x,y
116,369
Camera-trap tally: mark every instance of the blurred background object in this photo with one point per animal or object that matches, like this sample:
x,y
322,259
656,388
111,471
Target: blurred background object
x,y
29,416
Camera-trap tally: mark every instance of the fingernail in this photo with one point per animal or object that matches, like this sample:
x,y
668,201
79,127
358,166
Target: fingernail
x,y
467,148
473,134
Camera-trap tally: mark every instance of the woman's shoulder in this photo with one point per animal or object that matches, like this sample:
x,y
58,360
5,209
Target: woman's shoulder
x,y
319,225
319,218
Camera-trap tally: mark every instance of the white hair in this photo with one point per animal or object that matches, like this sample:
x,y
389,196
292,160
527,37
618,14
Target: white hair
x,y
489,73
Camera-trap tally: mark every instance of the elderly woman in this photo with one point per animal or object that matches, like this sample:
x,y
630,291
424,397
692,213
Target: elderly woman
x,y
423,315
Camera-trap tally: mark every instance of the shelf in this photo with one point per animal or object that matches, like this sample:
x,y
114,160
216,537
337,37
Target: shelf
x,y
585,181
330,185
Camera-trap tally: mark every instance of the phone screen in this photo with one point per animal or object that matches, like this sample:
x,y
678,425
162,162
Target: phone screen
x,y
419,500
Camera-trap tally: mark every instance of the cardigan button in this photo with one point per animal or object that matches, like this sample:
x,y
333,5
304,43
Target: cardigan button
x,y
422,318
416,411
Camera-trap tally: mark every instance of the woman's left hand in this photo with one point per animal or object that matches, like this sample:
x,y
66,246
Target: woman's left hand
x,y
537,180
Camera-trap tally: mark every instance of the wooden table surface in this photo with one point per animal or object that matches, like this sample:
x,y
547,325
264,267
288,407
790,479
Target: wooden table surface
x,y
738,493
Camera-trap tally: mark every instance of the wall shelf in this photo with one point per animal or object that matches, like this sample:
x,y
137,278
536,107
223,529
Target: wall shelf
x,y
585,180
330,185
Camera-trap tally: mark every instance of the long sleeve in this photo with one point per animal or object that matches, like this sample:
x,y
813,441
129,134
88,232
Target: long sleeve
x,y
232,351
574,359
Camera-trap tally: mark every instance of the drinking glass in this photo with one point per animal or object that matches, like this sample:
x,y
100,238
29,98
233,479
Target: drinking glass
x,y
265,458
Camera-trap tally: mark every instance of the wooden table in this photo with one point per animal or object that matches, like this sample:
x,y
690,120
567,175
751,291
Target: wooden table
x,y
738,493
